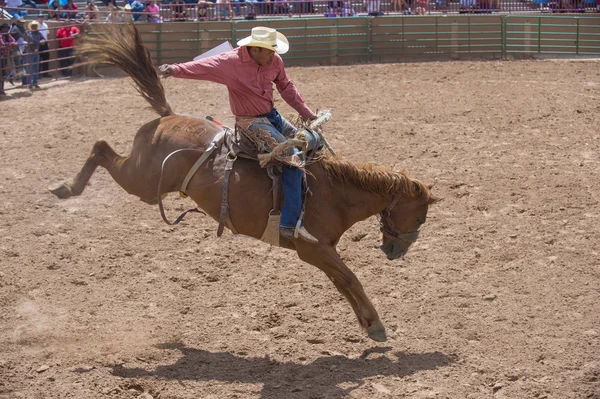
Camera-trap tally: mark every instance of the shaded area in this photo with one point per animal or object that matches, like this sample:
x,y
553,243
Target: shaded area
x,y
317,379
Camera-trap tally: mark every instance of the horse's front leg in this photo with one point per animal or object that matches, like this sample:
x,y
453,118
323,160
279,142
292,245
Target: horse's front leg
x,y
327,259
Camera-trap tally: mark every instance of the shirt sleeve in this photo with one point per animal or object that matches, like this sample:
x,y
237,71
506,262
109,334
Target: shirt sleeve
x,y
289,92
210,68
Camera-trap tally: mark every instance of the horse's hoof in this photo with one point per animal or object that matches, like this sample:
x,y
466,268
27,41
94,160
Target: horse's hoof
x,y
377,332
61,191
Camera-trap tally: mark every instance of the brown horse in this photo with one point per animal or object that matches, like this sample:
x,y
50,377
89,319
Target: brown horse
x,y
342,193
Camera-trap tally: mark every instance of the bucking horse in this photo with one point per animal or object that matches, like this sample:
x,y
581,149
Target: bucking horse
x,y
342,193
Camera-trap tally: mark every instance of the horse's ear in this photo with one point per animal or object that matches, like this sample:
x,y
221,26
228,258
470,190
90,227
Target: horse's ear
x,y
434,200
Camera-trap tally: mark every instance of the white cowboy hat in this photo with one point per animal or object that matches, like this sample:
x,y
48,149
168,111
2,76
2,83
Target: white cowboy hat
x,y
266,38
32,24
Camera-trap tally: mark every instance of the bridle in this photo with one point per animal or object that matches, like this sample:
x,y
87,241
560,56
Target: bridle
x,y
387,227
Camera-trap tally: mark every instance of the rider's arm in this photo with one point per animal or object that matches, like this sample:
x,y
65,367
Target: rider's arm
x,y
213,69
289,92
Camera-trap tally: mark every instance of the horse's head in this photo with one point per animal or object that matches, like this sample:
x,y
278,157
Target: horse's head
x,y
400,223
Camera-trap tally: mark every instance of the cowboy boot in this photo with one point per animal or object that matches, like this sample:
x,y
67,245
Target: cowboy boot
x,y
301,232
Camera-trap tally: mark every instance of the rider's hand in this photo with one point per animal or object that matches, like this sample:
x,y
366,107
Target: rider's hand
x,y
165,70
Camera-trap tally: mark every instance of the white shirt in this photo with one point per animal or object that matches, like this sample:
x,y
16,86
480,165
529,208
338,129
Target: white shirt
x,y
43,28
13,3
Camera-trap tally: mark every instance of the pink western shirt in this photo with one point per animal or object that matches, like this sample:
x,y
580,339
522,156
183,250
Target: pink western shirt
x,y
250,85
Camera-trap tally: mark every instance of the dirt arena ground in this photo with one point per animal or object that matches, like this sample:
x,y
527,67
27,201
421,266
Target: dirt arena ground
x,y
499,298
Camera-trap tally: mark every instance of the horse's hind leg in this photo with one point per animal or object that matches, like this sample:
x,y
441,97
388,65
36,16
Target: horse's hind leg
x,y
102,155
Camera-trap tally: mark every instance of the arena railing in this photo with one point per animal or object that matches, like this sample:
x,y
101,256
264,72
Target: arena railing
x,y
372,39
204,10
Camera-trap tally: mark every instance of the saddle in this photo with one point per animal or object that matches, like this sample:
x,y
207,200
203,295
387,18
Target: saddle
x,y
235,143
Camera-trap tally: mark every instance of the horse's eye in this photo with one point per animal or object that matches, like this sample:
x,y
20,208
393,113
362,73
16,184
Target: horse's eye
x,y
420,222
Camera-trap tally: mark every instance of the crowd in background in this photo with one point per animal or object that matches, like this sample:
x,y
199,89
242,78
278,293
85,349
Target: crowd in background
x,y
25,51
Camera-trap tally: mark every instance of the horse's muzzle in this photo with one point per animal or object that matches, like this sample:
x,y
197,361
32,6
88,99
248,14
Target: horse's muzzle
x,y
393,250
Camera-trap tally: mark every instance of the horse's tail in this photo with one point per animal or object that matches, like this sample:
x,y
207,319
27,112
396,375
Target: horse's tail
x,y
122,47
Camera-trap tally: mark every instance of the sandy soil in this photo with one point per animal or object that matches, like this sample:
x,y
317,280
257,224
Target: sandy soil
x,y
500,297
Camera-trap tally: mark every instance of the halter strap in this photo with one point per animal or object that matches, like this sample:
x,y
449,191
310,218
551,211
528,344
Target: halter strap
x,y
391,230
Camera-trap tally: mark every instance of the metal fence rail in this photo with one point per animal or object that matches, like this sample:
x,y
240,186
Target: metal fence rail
x,y
552,35
388,39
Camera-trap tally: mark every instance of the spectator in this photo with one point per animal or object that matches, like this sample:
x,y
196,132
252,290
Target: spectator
x,y
44,48
92,13
373,8
30,3
70,10
54,10
66,35
223,9
420,7
19,33
348,10
34,40
16,8
137,9
153,11
202,10
126,15
282,7
178,11
7,44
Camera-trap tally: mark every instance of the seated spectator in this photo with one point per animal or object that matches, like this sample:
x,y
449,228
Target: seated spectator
x,y
202,9
70,10
153,11
30,3
54,10
420,7
15,8
178,11
92,12
137,9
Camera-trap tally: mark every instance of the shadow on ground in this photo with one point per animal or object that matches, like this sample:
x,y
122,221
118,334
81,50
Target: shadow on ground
x,y
319,379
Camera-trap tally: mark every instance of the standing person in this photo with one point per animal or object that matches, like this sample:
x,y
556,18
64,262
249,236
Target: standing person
x,y
44,48
7,43
19,33
34,40
66,44
249,72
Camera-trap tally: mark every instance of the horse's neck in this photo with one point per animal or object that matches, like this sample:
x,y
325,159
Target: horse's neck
x,y
359,203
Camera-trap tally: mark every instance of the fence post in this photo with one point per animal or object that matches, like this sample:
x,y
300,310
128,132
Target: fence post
x,y
577,37
159,47
454,41
333,45
369,26
503,35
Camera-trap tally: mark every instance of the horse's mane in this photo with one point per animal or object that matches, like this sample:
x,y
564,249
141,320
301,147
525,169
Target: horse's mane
x,y
377,179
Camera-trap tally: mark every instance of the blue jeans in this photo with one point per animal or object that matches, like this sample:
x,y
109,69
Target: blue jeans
x,y
291,178
33,69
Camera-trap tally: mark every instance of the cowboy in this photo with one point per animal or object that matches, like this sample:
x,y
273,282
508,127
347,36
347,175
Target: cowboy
x,y
249,72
